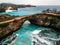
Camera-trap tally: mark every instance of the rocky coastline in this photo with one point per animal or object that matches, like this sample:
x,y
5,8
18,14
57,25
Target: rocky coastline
x,y
5,6
10,24
47,20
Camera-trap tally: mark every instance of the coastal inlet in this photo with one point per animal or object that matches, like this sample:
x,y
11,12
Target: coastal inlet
x,y
10,24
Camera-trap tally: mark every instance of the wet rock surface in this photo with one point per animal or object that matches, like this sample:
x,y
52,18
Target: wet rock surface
x,y
50,34
46,37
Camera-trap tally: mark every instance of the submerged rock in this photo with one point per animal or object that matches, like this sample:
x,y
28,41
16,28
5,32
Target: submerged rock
x,y
45,37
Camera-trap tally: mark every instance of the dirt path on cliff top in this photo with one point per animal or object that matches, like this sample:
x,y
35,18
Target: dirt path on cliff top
x,y
23,17
17,18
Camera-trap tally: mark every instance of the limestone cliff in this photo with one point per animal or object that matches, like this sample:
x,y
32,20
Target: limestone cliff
x,y
46,19
9,24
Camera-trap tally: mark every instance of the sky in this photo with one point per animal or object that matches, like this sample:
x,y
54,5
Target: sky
x,y
32,2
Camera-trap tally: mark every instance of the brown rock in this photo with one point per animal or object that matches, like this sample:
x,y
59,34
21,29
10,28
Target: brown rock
x,y
10,24
46,19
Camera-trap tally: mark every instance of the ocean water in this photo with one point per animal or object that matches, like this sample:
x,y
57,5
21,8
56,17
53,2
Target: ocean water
x,y
31,10
24,32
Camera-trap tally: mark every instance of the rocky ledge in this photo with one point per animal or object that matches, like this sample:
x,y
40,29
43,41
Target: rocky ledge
x,y
9,24
46,19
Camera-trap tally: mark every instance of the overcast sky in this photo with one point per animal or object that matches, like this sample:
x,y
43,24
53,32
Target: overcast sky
x,y
33,2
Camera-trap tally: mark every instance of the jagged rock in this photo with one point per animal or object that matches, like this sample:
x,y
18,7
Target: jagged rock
x,y
9,24
45,37
46,19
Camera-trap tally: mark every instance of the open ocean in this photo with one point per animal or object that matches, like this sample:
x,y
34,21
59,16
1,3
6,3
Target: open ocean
x,y
26,29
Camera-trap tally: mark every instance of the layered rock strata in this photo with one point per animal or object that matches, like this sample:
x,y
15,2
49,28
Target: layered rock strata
x,y
46,19
9,24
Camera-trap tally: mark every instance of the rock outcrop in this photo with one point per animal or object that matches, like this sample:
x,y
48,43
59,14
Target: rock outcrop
x,y
46,19
9,24
46,37
5,6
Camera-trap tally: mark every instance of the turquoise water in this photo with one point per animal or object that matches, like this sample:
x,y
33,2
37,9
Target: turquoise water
x,y
24,33
26,29
24,11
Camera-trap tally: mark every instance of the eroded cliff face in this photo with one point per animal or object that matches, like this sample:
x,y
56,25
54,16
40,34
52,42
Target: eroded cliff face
x,y
46,19
9,24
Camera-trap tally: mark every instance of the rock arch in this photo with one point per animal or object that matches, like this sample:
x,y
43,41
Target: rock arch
x,y
10,24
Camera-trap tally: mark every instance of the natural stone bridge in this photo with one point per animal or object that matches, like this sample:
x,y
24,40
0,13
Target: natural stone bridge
x,y
13,23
